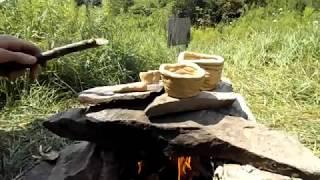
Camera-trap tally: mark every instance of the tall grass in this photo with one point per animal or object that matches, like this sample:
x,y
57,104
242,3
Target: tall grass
x,y
272,56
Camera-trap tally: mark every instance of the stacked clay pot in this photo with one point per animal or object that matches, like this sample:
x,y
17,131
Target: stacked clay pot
x,y
212,64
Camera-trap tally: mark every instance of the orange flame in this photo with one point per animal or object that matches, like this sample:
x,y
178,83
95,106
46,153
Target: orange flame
x,y
140,163
184,165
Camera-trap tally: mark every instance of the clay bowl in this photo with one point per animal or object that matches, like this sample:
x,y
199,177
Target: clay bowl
x,y
182,80
212,64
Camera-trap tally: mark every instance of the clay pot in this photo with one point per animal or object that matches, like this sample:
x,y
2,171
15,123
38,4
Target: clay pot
x,y
212,64
150,77
182,80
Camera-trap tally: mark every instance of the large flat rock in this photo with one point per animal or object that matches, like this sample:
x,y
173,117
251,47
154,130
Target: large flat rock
x,y
165,104
202,117
230,138
270,150
209,116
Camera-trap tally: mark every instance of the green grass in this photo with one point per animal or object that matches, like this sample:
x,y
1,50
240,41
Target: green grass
x,y
274,62
272,57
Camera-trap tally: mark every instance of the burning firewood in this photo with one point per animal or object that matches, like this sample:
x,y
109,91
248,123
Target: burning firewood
x,y
184,166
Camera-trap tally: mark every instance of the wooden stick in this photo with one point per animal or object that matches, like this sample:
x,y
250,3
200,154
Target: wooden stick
x,y
5,68
70,48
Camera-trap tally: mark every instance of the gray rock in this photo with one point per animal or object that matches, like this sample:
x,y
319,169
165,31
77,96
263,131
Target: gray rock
x,y
209,117
84,161
270,150
225,85
40,172
203,117
239,109
246,172
165,104
100,95
119,114
81,124
78,161
230,138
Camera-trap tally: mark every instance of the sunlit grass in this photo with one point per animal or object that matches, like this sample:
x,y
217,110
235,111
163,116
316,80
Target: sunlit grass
x,y
275,63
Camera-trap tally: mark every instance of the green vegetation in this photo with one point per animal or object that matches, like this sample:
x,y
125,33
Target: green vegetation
x,y
272,56
211,12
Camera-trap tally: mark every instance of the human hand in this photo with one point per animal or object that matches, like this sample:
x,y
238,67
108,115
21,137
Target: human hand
x,y
18,51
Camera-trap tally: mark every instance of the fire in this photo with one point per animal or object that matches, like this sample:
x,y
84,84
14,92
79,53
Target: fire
x,y
184,165
140,164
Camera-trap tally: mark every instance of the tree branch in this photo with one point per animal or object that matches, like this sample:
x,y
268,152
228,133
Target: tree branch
x,y
70,48
5,68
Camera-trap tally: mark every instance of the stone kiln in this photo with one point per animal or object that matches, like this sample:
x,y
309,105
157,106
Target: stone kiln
x,y
150,136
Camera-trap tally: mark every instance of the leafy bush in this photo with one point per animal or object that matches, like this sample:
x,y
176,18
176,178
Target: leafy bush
x,y
89,2
147,8
210,12
163,3
141,10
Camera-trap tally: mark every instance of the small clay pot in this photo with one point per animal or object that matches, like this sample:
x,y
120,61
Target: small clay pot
x,y
150,77
212,64
182,80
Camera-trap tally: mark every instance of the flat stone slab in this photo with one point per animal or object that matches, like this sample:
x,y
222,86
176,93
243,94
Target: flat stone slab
x,y
165,104
201,117
246,172
284,153
105,94
119,88
119,114
230,138
208,117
